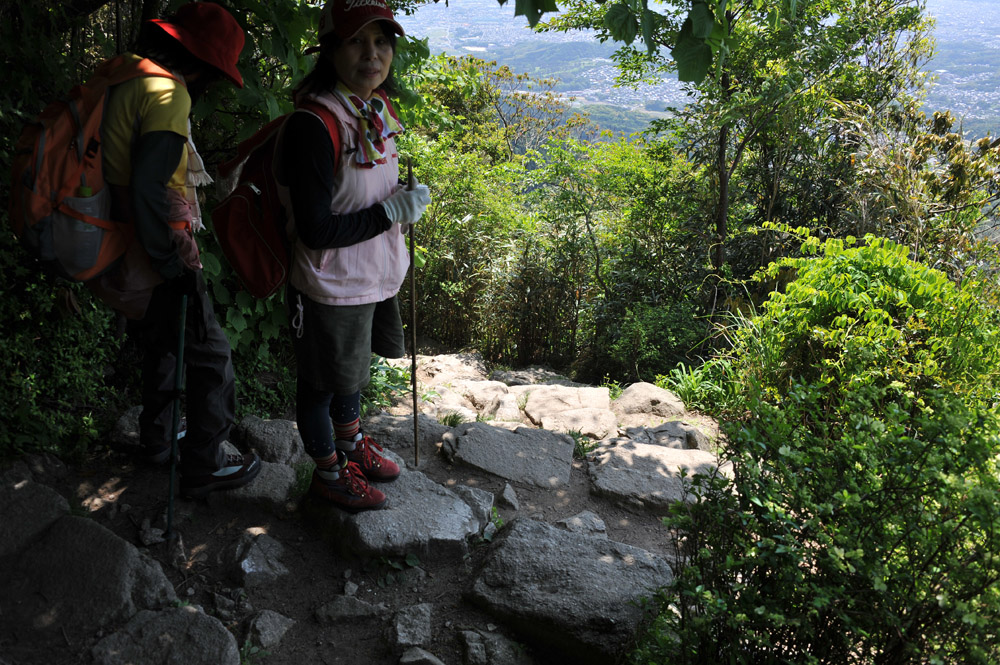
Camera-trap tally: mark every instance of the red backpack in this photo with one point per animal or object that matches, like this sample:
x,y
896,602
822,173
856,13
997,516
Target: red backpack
x,y
250,222
59,204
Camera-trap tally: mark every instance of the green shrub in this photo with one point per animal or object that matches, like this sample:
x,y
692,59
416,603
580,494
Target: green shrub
x,y
387,382
860,524
708,387
652,338
258,332
56,363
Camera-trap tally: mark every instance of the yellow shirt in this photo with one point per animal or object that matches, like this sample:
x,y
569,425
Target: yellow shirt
x,y
150,104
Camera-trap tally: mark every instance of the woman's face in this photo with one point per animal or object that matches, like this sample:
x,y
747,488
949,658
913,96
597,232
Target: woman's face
x,y
362,61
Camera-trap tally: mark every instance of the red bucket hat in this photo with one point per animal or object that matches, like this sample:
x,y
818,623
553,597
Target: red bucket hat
x,y
209,33
345,17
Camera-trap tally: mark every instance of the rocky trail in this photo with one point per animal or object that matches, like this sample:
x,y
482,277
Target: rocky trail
x,y
528,533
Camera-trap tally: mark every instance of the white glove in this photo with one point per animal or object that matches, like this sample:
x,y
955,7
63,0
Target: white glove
x,y
406,206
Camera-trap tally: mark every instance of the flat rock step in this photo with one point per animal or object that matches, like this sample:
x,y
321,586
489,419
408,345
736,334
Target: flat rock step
x,y
575,594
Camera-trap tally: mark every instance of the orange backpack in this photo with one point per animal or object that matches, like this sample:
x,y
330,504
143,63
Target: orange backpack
x,y
59,204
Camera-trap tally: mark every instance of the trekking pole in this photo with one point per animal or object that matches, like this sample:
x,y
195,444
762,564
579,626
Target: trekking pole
x,y
178,385
413,325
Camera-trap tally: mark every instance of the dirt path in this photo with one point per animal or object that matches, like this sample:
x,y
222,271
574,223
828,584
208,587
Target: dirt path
x,y
109,488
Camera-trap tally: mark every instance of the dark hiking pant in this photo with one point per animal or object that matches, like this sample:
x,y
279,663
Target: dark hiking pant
x,y
210,390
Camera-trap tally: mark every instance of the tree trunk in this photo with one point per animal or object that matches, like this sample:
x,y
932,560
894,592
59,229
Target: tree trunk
x,y
150,9
722,207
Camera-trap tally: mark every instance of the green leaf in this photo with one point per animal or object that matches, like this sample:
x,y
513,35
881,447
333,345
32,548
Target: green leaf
x,y
273,110
245,301
648,34
412,560
268,330
702,20
693,55
211,265
235,319
533,9
621,23
420,257
220,293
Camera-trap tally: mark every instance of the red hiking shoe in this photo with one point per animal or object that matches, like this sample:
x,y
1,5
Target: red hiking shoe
x,y
368,456
350,492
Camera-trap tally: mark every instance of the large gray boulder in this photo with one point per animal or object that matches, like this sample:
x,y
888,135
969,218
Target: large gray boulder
x,y
28,509
678,434
275,441
271,489
420,517
648,398
482,647
176,636
445,368
532,456
78,578
481,394
396,432
448,403
549,400
527,376
646,475
592,423
574,595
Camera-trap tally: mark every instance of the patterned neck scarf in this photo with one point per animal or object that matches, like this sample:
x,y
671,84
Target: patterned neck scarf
x,y
378,122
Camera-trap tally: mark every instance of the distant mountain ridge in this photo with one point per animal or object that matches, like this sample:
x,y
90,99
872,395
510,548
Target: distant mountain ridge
x,y
966,64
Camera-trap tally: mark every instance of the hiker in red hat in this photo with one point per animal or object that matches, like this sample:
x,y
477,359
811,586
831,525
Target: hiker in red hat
x,y
348,215
153,168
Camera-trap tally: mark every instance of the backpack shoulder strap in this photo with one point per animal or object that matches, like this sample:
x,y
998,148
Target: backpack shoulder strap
x,y
120,69
261,137
326,115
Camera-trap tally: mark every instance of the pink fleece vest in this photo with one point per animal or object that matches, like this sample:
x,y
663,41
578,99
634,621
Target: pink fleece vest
x,y
370,271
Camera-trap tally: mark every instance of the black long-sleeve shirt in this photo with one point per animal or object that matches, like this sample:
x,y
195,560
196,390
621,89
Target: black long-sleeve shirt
x,y
154,159
307,163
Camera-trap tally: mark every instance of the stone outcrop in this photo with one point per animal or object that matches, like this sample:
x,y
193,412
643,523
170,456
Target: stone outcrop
x,y
421,517
29,509
647,475
574,594
176,636
533,456
567,589
79,578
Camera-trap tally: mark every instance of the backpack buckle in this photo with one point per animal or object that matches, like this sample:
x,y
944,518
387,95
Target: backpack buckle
x,y
92,147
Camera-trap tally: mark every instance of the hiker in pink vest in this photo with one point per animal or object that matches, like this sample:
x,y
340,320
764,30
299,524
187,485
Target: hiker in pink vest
x,y
152,167
348,215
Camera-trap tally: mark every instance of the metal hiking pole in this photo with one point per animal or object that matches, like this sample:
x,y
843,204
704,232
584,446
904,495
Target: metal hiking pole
x,y
413,325
178,386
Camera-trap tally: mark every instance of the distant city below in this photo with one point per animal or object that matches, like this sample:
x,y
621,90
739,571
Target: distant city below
x,y
966,63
